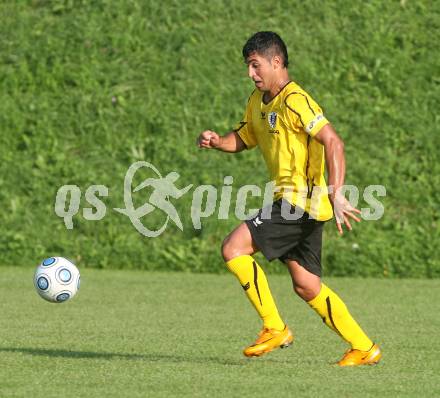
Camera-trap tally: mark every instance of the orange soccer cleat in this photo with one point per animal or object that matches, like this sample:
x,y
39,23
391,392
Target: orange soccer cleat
x,y
357,357
268,340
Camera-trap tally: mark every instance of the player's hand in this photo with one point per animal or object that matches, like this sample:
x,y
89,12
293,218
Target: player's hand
x,y
344,211
208,139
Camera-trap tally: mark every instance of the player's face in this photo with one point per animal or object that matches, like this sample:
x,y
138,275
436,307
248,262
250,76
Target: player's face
x,y
261,71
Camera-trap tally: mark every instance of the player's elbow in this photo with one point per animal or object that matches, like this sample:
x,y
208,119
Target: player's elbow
x,y
328,137
340,144
240,148
239,143
334,143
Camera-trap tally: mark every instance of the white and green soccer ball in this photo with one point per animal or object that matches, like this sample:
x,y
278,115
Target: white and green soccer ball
x,y
56,279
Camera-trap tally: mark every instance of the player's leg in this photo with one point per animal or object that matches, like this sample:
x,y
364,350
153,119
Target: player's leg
x,y
237,250
334,313
238,243
328,305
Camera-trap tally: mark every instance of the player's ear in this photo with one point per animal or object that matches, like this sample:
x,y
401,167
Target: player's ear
x,y
277,62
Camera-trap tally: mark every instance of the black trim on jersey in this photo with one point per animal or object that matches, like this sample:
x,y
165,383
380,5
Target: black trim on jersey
x,y
296,113
309,191
309,185
307,100
236,131
262,97
241,139
242,124
256,281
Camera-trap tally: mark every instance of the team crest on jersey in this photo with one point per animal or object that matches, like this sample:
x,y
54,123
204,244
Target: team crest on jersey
x,y
272,118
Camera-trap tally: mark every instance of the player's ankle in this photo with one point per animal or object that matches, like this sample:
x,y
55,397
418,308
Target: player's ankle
x,y
277,325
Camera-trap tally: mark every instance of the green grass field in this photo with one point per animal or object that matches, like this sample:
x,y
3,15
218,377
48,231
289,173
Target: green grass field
x,y
143,334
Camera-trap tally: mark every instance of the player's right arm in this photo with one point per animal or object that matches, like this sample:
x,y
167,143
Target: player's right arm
x,y
230,142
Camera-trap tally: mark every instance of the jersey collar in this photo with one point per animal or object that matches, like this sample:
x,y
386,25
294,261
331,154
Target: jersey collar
x,y
267,103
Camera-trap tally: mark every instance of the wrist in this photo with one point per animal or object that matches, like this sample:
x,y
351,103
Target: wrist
x,y
335,191
219,143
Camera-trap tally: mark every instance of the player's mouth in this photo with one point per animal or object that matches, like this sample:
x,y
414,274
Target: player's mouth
x,y
258,83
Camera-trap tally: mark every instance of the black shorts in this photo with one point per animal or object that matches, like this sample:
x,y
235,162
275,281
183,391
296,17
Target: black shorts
x,y
297,239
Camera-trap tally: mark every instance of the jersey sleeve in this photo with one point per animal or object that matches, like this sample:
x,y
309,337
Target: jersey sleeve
x,y
244,129
305,112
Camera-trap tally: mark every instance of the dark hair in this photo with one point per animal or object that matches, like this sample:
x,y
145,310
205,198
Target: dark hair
x,y
266,44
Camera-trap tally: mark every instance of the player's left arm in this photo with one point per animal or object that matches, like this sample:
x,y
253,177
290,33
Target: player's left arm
x,y
335,161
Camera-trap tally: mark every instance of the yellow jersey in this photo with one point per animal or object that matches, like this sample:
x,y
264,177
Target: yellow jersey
x,y
283,129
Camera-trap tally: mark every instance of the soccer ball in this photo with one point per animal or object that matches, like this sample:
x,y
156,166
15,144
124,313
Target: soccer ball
x,y
56,279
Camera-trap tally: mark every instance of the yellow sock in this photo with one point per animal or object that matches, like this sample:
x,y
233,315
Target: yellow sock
x,y
254,282
335,314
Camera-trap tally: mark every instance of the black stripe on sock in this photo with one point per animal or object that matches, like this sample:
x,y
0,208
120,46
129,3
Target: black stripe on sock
x,y
329,310
256,281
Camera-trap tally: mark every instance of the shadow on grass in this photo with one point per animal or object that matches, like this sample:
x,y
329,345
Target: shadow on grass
x,y
153,357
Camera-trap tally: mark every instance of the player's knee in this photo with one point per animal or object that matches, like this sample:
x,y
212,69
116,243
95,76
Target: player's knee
x,y
299,290
229,249
307,293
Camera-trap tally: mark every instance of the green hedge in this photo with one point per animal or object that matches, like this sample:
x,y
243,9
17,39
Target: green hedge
x,y
88,88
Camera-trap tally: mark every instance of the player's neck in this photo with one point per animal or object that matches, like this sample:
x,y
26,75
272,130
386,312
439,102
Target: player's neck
x,y
276,88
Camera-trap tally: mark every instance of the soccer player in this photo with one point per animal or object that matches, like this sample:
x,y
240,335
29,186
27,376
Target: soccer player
x,y
296,141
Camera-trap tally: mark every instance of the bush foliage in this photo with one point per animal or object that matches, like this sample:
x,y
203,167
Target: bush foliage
x,y
88,88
